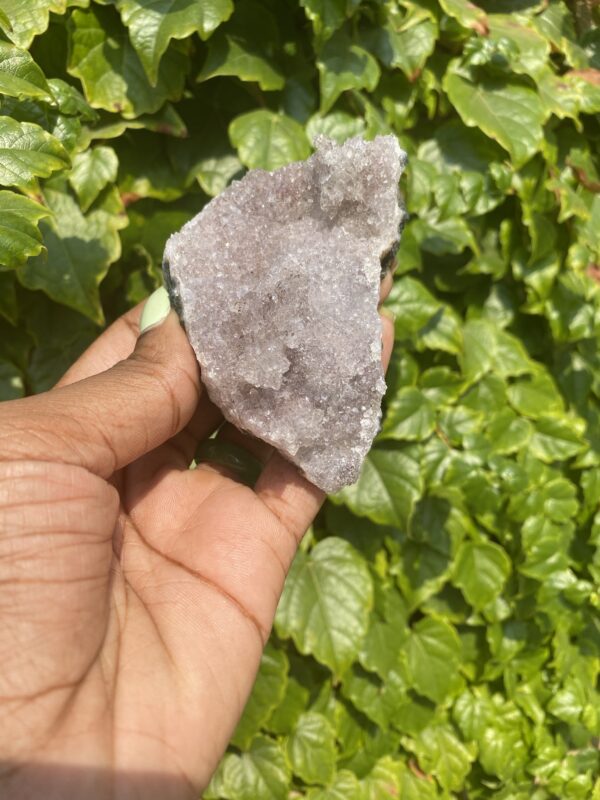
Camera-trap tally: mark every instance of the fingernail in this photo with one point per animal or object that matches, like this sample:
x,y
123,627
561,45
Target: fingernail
x,y
387,312
156,310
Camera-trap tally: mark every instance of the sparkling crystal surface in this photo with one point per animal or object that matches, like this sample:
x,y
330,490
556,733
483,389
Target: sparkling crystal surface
x,y
277,284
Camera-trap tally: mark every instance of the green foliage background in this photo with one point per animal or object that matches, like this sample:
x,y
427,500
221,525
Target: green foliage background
x,y
439,633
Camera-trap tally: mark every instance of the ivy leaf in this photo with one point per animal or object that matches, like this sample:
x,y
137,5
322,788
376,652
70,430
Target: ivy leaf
x,y
468,14
245,48
389,485
27,152
536,395
486,348
545,545
11,381
326,15
60,336
268,691
4,22
441,753
26,20
433,656
92,170
338,125
8,298
380,701
410,416
262,772
407,49
508,432
326,602
19,234
555,439
113,77
311,749
507,111
285,717
152,25
343,65
532,49
20,76
502,746
265,140
345,786
382,646
480,572
79,251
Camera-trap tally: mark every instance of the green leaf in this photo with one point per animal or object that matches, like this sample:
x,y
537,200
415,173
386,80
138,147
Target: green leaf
x,y
410,416
19,234
446,236
555,439
342,66
326,602
326,15
26,20
109,68
508,432
8,298
92,170
285,717
505,110
265,140
11,381
245,48
345,786
311,749
260,772
407,48
389,485
59,337
531,49
152,25
79,251
338,125
4,21
485,348
27,152
468,14
268,691
480,572
536,396
383,644
151,224
441,753
503,748
441,385
545,545
433,656
20,76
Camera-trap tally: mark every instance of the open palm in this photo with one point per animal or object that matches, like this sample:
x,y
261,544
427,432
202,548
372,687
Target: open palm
x,y
136,595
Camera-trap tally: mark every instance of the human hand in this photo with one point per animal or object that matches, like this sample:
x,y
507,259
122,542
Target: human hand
x,y
136,595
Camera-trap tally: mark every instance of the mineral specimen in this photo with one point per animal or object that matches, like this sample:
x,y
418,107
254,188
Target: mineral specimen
x,y
277,282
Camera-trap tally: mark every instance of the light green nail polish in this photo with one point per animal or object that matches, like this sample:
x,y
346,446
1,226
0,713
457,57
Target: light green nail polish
x,y
156,310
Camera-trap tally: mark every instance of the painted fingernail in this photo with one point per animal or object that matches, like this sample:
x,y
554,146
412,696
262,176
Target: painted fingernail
x,y
156,310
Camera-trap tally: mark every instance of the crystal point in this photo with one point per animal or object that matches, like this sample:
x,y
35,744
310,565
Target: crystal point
x,y
277,282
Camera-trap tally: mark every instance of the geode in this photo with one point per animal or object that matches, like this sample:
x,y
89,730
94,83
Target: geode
x,y
277,283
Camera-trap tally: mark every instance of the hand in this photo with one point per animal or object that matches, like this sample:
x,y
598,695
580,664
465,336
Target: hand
x,y
136,595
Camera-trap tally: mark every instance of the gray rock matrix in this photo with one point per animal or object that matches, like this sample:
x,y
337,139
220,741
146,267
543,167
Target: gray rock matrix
x,y
277,283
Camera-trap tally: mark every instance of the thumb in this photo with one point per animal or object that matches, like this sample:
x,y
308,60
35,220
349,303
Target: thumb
x,y
108,420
